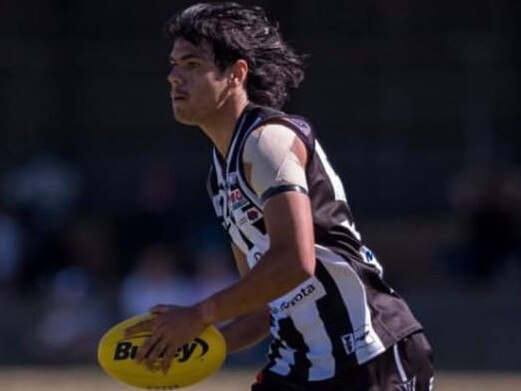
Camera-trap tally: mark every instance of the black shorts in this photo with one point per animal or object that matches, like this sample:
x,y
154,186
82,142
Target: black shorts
x,y
405,366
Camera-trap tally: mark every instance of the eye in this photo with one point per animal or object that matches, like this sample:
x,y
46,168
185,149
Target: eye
x,y
193,64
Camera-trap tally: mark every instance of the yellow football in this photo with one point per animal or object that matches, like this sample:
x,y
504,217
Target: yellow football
x,y
193,362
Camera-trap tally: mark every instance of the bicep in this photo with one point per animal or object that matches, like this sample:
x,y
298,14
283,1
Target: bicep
x,y
275,160
289,223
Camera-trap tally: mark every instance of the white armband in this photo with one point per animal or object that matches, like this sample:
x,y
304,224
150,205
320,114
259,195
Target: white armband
x,y
275,167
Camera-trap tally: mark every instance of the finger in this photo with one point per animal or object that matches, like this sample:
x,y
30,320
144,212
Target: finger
x,y
152,359
160,309
145,349
144,325
168,356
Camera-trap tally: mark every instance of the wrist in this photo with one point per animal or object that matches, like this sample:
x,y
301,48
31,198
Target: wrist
x,y
207,313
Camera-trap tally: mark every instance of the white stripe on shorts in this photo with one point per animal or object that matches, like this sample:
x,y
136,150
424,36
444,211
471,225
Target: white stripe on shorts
x,y
398,362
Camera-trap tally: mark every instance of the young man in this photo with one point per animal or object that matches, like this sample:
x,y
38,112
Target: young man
x,y
306,276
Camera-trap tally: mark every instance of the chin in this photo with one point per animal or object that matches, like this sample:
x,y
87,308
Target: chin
x,y
184,118
185,121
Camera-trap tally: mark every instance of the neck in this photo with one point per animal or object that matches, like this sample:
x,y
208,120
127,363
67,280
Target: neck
x,y
219,128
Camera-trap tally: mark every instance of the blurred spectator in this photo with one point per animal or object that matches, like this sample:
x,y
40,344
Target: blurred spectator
x,y
157,279
11,253
90,244
154,216
11,249
156,193
74,319
44,192
488,202
46,188
80,305
214,270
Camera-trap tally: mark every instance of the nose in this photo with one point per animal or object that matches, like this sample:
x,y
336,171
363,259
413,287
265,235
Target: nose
x,y
174,77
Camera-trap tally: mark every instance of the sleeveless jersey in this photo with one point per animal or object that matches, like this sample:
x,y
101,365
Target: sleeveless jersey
x,y
345,314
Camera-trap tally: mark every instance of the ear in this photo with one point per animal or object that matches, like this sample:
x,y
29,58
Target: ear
x,y
239,73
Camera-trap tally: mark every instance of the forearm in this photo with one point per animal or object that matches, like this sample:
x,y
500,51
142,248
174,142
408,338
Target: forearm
x,y
246,330
289,261
273,276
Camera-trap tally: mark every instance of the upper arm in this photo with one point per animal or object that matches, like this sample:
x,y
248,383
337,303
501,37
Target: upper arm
x,y
289,223
274,159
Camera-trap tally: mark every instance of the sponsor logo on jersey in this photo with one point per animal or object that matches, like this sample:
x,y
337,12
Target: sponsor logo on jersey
x,y
369,258
294,300
232,178
359,339
250,216
253,215
236,199
349,343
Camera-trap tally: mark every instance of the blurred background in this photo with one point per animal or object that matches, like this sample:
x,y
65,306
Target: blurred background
x,y
103,207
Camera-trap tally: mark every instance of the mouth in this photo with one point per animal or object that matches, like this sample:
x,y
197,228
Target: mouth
x,y
178,96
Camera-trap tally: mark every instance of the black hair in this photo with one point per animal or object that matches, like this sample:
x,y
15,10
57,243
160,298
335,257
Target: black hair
x,y
236,32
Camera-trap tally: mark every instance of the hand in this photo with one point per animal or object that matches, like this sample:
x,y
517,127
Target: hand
x,y
171,327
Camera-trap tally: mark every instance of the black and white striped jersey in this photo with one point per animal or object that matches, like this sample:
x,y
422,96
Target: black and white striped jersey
x,y
345,314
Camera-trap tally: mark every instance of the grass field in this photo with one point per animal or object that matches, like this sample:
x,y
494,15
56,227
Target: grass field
x,y
92,379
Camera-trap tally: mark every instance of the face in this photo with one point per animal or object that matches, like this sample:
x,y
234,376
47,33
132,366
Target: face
x,y
198,87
